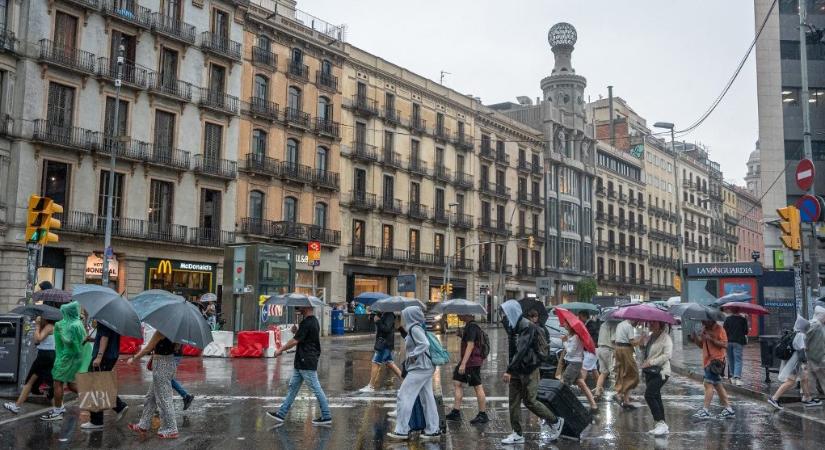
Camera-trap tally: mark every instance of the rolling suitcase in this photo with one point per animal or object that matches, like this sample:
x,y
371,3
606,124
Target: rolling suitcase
x,y
563,402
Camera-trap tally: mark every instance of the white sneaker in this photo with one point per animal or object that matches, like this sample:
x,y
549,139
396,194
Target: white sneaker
x,y
660,430
366,389
393,413
90,426
737,382
555,429
11,406
512,439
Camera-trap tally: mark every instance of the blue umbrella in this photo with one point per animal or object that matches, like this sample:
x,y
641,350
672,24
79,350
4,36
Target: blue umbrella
x,y
174,317
368,298
109,308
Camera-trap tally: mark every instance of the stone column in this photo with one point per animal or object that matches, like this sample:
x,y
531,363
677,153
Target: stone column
x,y
133,268
75,272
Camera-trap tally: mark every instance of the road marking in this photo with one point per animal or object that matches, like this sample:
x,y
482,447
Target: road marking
x,y
31,414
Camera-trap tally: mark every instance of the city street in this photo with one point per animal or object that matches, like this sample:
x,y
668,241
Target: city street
x,y
233,395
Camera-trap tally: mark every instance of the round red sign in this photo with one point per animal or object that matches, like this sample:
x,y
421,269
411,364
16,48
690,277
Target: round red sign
x,y
805,173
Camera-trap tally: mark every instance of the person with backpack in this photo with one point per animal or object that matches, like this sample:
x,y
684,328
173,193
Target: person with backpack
x,y
475,346
420,366
522,374
793,369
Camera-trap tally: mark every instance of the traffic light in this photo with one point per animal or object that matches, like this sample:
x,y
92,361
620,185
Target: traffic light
x,y
449,288
789,224
531,242
40,221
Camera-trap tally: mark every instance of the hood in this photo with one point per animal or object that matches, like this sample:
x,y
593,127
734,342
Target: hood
x,y
512,310
801,325
412,315
819,313
71,311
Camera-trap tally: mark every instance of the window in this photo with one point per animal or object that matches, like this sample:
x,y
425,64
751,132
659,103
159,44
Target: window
x,y
122,118
294,99
320,219
569,254
389,191
65,34
264,43
292,151
358,237
290,209
56,181
259,144
326,67
217,80
387,240
439,123
260,88
414,244
438,246
129,43
161,203
171,8
256,206
212,142
569,217
210,218
164,136
414,150
3,13
220,24
415,193
389,103
568,180
321,159
361,91
103,195
389,142
790,50
439,203
60,113
297,56
460,250
324,109
416,112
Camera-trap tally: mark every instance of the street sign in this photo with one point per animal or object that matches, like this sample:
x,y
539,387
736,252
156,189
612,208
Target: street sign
x,y
805,174
755,255
778,260
314,253
544,285
809,208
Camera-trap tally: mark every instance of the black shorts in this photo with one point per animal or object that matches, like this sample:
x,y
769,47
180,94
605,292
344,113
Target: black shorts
x,y
42,366
472,376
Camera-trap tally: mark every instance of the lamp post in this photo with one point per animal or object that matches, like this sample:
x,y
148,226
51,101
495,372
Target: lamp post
x,y
501,255
671,127
113,147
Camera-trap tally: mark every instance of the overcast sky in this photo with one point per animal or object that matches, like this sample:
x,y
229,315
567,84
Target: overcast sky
x,y
669,59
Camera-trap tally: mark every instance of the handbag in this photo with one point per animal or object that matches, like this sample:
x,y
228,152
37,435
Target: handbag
x,y
97,390
717,367
652,371
149,364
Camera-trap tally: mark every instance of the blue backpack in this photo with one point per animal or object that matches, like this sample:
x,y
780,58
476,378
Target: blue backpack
x,y
438,354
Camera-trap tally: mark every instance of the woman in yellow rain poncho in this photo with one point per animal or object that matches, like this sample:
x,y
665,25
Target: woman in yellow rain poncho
x,y
69,337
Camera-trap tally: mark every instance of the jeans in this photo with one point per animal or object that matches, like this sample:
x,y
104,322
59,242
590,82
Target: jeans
x,y
311,378
653,395
418,384
524,388
735,359
106,365
175,385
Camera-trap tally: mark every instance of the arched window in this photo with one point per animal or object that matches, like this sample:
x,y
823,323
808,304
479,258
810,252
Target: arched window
x,y
294,98
320,219
260,89
291,209
292,151
256,207
259,144
321,158
324,108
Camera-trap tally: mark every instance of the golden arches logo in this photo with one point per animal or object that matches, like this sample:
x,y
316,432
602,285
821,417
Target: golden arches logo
x,y
165,267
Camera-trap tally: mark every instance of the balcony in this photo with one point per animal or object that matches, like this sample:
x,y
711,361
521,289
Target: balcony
x,y
690,225
622,198
611,219
524,232
218,101
704,229
210,237
173,28
494,267
296,117
529,199
538,170
440,216
418,125
69,138
360,200
463,141
623,223
85,4
391,159
691,245
500,228
263,57
363,151
131,75
461,263
363,251
502,157
170,87
297,70
417,211
296,173
418,167
391,206
220,46
611,194
328,128
524,166
718,249
442,173
8,42
441,133
487,151
124,148
216,167
462,221
325,179
640,203
492,189
463,181
731,219
364,106
260,164
262,108
601,191
128,11
528,272
631,200
732,238
393,255
392,116
601,217
68,58
163,156
326,81
290,231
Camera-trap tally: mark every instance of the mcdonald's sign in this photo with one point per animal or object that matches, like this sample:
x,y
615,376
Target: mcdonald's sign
x,y
164,267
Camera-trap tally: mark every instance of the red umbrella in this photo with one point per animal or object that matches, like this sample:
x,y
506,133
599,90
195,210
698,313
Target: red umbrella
x,y
745,307
567,317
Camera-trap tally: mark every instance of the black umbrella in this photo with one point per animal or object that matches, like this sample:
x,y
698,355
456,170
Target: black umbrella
x,y
529,303
45,311
174,317
109,308
53,297
695,311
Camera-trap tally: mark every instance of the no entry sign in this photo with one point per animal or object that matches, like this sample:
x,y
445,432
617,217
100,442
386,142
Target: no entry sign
x,y
805,174
809,208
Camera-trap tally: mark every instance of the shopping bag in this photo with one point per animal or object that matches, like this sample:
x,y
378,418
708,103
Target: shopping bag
x,y
96,390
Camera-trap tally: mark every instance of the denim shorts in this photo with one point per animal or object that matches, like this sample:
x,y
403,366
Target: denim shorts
x,y
711,377
382,356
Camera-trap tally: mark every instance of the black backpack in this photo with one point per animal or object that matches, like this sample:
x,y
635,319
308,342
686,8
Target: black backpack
x,y
484,340
784,348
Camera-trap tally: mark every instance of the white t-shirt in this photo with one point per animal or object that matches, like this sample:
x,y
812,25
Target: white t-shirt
x,y
574,349
625,332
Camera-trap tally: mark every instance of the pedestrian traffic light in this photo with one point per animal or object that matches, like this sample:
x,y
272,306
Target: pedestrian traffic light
x,y
40,221
789,224
531,242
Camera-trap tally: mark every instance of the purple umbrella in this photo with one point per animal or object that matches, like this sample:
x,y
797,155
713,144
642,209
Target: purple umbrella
x,y
644,313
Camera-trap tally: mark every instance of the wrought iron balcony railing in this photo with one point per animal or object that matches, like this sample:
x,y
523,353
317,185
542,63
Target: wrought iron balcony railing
x,y
219,45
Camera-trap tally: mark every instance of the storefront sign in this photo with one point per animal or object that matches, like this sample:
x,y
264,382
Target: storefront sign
x,y
200,267
239,270
724,270
301,258
94,266
314,253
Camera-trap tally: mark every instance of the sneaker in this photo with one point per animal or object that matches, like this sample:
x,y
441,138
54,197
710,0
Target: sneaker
x,y
121,413
430,437
453,415
393,413
11,406
320,421
366,389
513,438
727,413
812,403
393,436
187,401
53,414
775,404
737,382
702,414
91,426
555,429
276,416
661,429
480,418
168,435
136,428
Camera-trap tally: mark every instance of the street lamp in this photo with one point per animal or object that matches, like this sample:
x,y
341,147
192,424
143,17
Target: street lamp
x,y
672,127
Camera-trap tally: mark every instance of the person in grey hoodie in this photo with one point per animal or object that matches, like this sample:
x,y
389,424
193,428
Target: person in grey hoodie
x,y
522,375
419,380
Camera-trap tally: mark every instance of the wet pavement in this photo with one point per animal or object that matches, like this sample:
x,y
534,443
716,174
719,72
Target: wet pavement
x,y
233,395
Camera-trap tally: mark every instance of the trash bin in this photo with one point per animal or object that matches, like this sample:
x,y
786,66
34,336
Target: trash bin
x,y
337,325
767,344
11,345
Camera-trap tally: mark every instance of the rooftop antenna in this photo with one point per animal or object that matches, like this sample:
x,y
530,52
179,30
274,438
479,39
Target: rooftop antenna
x,y
443,72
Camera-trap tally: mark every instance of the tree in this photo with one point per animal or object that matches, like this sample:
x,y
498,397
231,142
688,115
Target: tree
x,y
585,289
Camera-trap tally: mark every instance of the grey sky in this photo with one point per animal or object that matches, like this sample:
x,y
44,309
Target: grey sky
x,y
668,58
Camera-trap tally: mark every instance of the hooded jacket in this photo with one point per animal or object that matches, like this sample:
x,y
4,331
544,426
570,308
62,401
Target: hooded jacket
x,y
69,336
416,343
523,360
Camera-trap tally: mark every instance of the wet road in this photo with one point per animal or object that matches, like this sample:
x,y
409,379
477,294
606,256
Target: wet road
x,y
233,395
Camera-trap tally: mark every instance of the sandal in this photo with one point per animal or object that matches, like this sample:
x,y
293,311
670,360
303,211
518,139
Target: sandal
x,y
136,428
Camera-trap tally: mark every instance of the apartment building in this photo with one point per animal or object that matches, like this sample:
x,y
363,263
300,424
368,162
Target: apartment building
x,y
748,225
9,48
701,200
730,214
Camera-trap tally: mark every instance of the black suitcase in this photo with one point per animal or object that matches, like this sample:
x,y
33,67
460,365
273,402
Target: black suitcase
x,y
563,402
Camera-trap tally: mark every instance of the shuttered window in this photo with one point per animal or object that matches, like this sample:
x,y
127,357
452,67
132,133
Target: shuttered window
x,y
212,140
160,202
164,134
60,113
122,118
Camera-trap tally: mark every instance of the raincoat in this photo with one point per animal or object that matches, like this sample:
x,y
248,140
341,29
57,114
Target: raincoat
x,y
69,336
790,369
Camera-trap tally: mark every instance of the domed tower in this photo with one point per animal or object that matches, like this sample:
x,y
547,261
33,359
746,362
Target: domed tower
x,y
563,88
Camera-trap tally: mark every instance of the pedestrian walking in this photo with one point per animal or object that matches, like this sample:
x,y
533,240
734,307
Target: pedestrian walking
x,y
418,384
69,337
627,371
105,351
590,362
307,339
736,327
604,354
714,343
815,348
468,370
159,397
41,370
522,374
573,374
658,350
176,386
794,369
383,348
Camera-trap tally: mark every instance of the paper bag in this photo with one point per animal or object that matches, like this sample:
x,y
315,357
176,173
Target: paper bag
x,y
96,390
